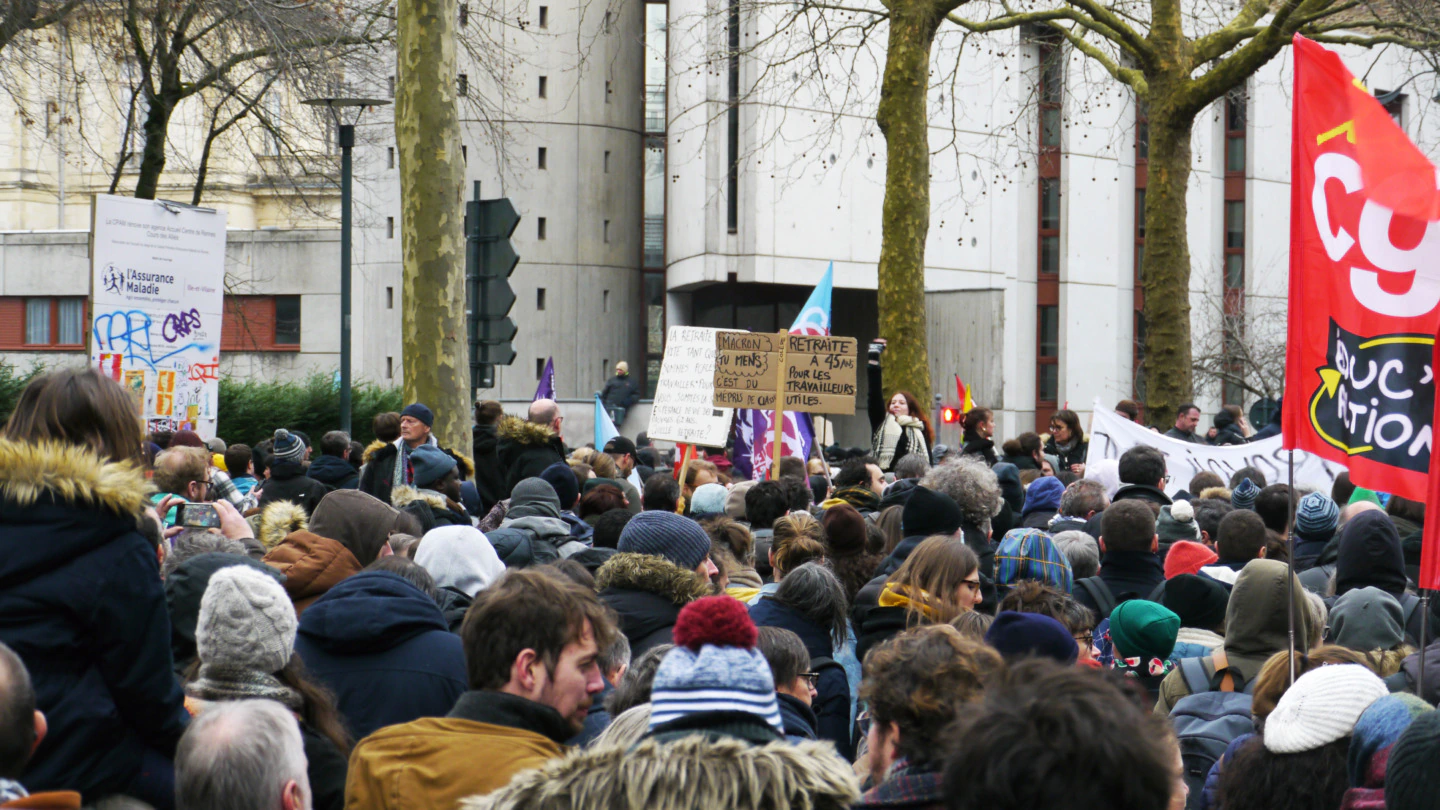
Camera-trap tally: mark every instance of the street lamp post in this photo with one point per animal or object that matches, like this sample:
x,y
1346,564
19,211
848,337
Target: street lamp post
x,y
346,137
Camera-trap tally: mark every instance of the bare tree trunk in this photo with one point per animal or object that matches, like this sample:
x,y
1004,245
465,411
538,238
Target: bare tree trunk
x,y
427,133
1166,269
152,156
905,218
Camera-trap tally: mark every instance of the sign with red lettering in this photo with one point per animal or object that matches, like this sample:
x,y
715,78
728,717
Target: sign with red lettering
x,y
1364,283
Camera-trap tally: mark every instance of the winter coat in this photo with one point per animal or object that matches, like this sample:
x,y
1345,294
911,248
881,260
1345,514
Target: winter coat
x,y
524,542
383,647
906,787
82,604
1075,454
312,565
276,521
879,413
184,588
620,391
434,762
797,718
489,474
1181,436
879,626
647,593
334,472
832,701
984,448
288,482
1256,626
692,772
978,543
1227,434
1130,575
525,449
1142,492
431,508
378,475
453,604
1369,553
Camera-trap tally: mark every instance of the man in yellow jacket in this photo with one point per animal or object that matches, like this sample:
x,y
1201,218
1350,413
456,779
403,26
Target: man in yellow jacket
x,y
532,641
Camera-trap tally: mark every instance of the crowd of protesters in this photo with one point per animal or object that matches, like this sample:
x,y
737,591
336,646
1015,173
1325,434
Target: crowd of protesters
x,y
522,624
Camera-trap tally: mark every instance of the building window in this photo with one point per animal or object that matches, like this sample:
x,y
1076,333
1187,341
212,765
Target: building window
x,y
605,232
539,368
389,297
389,227
732,125
261,323
540,161
42,323
1394,103
1050,91
462,85
605,25
544,16
389,367
605,303
1048,356
1233,250
1235,134
539,299
465,154
606,161
544,86
1234,224
464,14
390,157
390,82
540,228
608,91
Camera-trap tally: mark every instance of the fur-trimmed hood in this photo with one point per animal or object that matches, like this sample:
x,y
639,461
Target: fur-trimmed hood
x,y
400,497
374,448
523,431
70,475
693,772
278,519
651,574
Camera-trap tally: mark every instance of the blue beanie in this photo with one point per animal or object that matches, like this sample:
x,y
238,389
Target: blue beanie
x,y
666,534
708,500
1243,496
567,487
1022,635
420,412
430,463
1044,493
1316,517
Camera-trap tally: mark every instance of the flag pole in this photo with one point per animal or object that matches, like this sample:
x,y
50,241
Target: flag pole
x,y
1424,631
779,427
1290,568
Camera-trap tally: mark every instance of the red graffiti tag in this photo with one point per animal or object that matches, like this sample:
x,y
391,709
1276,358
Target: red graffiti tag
x,y
204,372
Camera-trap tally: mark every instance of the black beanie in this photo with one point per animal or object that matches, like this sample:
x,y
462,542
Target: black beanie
x,y
1412,782
929,512
1198,601
1370,554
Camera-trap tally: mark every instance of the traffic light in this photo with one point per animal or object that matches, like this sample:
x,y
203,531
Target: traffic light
x,y
489,261
949,415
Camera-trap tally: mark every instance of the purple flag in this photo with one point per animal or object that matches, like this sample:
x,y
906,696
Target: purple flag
x,y
754,435
546,388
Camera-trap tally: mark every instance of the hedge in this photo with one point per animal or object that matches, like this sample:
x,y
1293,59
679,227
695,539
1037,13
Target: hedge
x,y
250,411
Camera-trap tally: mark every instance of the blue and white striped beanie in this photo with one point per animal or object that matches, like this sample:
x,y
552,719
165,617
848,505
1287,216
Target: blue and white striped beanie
x,y
714,666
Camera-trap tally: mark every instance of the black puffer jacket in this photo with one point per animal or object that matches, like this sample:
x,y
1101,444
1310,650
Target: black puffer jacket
x,y
525,449
489,473
647,592
82,604
334,472
288,482
1227,433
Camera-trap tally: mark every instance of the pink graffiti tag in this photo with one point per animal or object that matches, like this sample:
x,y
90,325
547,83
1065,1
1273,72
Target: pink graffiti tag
x,y
204,372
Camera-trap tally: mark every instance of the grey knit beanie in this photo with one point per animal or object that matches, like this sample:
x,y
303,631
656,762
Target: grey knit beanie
x,y
1244,494
246,622
666,534
1316,517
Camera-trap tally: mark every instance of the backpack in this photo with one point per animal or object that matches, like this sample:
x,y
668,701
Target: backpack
x,y
1102,595
1206,721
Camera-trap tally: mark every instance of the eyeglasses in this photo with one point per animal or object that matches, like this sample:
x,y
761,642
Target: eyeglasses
x,y
812,678
973,583
1085,640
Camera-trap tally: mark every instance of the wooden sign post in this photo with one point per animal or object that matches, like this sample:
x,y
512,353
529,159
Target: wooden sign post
x,y
780,372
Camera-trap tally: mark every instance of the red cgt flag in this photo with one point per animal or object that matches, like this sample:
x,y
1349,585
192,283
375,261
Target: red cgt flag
x,y
1364,283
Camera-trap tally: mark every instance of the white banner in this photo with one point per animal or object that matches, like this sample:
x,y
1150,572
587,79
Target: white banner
x,y
683,411
1112,434
158,300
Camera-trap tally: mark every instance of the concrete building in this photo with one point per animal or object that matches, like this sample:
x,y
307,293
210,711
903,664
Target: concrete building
x,y
672,166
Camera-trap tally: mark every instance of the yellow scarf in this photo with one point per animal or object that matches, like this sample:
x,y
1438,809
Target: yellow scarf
x,y
897,596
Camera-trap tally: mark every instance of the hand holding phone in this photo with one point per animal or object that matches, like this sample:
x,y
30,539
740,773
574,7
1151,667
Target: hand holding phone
x,y
200,515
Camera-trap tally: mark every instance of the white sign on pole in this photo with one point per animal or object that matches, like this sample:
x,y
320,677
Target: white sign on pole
x,y
157,302
683,411
1112,434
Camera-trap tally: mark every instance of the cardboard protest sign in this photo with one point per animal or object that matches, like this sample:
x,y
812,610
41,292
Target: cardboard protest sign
x,y
683,411
817,372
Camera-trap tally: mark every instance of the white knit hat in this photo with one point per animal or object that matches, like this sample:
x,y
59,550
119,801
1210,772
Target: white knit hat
x,y
1321,707
246,622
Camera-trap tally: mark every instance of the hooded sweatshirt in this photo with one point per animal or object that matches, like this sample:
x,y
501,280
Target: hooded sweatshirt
x,y
1256,626
383,647
359,522
459,557
1366,619
533,533
1369,554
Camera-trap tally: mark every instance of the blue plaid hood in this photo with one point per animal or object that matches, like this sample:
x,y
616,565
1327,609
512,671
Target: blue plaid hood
x,y
1031,554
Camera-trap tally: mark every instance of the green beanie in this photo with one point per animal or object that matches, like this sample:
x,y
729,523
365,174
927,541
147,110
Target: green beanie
x,y
1142,629
1363,494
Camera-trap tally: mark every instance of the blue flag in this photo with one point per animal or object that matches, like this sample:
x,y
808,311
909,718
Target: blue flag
x,y
604,427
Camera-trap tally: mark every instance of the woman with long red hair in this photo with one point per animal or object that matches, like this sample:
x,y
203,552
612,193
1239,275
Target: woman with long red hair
x,y
899,424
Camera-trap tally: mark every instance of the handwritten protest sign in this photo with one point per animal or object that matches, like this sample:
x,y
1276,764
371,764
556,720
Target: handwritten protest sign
x,y
157,287
818,371
683,411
